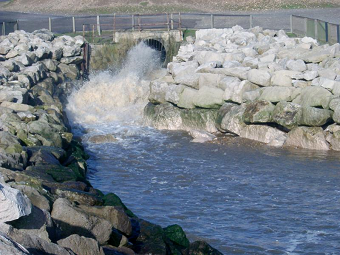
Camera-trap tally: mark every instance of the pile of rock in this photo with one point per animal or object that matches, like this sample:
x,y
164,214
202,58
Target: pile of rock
x,y
258,84
46,204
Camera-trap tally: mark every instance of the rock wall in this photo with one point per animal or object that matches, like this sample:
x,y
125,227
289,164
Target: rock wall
x,y
46,204
260,84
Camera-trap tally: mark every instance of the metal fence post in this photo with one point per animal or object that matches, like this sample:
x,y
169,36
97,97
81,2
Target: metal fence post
x,y
291,23
212,20
326,31
338,32
98,26
50,24
3,28
172,21
316,29
133,22
305,28
16,26
167,21
250,21
74,24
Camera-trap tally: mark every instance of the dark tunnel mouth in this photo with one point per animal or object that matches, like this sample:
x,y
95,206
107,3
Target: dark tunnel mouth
x,y
157,45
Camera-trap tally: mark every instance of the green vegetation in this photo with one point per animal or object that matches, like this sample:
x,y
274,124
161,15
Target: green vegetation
x,y
308,5
189,32
291,35
144,3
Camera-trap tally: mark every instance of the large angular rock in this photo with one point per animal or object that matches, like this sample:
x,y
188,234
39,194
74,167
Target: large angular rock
x,y
336,115
314,117
81,245
234,91
307,137
157,92
116,216
230,118
209,80
314,96
276,94
202,247
296,65
176,234
209,97
229,81
264,134
184,73
187,98
72,220
10,247
173,92
258,112
201,136
333,136
287,114
259,77
13,203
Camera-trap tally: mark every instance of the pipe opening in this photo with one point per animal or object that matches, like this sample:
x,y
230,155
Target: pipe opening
x,y
157,45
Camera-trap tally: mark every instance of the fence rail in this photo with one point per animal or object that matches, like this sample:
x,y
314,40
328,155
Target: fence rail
x,y
323,31
126,22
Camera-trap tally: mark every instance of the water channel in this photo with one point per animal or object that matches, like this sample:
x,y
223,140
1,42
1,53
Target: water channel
x,y
241,197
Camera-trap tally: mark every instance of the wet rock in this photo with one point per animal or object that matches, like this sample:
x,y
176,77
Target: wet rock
x,y
158,91
314,96
287,114
102,139
115,215
112,199
201,247
201,136
79,197
70,71
264,134
209,97
314,117
176,234
81,245
230,118
258,112
308,138
72,220
150,239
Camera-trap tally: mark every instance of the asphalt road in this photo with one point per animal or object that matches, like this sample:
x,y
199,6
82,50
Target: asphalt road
x,y
279,19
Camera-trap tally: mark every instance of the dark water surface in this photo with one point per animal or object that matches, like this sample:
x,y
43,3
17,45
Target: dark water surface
x,y
242,199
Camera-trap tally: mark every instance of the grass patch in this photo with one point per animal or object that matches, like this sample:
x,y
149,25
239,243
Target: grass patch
x,y
189,32
291,35
308,5
144,4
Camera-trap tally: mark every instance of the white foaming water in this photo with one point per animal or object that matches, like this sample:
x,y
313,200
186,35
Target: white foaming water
x,y
116,98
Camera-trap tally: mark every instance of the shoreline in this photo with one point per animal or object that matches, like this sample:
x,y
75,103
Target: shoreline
x,y
57,211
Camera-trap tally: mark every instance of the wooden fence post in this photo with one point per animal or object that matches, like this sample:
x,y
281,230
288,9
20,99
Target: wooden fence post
x,y
316,32
250,21
168,21
114,27
291,23
4,28
305,26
